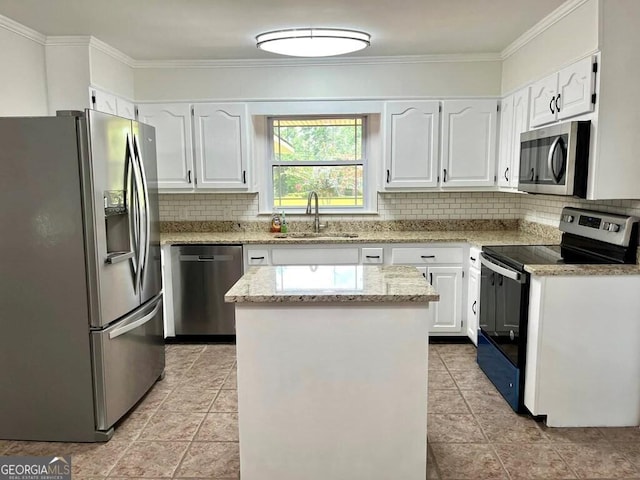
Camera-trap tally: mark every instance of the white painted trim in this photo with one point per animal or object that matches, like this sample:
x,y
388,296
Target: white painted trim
x,y
90,41
68,40
399,59
551,19
112,52
23,30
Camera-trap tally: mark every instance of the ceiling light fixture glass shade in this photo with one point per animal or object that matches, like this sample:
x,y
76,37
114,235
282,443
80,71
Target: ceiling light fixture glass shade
x,y
313,42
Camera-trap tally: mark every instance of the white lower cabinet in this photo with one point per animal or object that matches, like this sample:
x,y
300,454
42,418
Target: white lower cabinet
x,y
442,266
473,295
473,304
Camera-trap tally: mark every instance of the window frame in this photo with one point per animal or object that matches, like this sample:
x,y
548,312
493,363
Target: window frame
x,y
365,162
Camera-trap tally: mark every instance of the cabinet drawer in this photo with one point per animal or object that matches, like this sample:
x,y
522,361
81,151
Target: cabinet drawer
x,y
372,255
426,255
315,256
258,257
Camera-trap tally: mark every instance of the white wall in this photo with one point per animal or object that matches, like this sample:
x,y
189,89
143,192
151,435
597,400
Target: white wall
x,y
111,74
23,81
569,39
320,81
68,77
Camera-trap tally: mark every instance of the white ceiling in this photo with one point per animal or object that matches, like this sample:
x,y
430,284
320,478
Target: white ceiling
x,y
225,29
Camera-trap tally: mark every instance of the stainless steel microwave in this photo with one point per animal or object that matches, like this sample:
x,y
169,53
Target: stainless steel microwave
x,y
555,160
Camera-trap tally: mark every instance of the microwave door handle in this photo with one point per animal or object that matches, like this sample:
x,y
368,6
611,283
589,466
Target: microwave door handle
x,y
505,272
552,150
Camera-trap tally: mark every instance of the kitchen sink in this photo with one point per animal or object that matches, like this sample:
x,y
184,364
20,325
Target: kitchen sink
x,y
315,235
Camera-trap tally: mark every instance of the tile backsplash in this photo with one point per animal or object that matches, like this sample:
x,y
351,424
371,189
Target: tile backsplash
x,y
543,209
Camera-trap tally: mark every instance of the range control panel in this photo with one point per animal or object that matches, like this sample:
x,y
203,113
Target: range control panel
x,y
607,227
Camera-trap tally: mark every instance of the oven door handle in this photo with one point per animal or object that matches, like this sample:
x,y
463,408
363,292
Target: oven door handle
x,y
505,272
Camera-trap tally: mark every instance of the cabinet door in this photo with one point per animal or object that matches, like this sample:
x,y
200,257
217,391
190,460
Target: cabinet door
x,y
469,143
520,125
575,86
125,108
221,145
507,139
447,312
103,101
173,143
411,146
543,100
473,305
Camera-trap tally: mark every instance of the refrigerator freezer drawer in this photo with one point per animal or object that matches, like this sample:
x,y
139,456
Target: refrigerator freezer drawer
x,y
128,357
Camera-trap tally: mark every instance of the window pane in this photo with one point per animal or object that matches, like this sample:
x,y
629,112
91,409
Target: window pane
x,y
336,186
317,140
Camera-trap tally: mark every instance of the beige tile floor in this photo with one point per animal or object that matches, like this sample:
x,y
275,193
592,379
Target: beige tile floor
x,y
186,427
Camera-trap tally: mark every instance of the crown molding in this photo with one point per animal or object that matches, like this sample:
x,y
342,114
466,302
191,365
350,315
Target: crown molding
x,y
22,30
89,41
303,62
548,21
112,52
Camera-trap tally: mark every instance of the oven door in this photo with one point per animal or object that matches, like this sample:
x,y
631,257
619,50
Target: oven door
x,y
503,308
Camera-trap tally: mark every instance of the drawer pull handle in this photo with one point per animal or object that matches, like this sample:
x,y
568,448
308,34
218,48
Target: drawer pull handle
x,y
427,256
472,259
473,307
372,256
257,258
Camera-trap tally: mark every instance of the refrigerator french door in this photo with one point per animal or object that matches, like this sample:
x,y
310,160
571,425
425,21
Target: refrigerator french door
x,y
80,289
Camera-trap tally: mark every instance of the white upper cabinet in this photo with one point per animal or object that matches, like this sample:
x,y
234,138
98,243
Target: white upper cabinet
x,y
514,120
543,96
564,94
109,103
103,101
468,143
411,144
505,144
576,85
173,143
125,108
221,145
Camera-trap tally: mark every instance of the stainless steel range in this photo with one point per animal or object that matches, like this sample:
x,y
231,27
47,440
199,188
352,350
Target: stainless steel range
x,y
588,237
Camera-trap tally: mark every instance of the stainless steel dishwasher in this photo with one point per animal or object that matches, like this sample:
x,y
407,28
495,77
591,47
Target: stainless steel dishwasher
x,y
201,276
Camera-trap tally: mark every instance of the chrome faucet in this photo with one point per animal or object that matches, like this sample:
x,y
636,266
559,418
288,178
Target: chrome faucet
x,y
316,221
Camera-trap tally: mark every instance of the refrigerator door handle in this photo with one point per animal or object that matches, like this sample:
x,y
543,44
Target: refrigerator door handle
x,y
145,195
132,210
116,332
137,212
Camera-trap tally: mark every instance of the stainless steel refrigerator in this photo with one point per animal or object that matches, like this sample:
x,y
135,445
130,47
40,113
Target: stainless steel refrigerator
x,y
81,333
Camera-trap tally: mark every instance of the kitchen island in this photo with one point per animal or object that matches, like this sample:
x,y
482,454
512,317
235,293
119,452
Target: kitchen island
x,y
332,372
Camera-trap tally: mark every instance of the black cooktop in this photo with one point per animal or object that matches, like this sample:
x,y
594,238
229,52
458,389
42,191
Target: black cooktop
x,y
519,255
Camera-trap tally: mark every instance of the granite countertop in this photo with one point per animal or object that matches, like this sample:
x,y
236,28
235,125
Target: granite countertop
x,y
506,234
477,238
332,283
584,270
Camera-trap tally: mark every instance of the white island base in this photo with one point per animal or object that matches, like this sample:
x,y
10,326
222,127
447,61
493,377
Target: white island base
x,y
332,391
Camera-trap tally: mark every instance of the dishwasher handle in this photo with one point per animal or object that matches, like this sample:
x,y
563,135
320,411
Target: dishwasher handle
x,y
205,258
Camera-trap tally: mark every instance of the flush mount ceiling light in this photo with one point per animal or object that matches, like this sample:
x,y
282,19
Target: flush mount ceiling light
x,y
313,42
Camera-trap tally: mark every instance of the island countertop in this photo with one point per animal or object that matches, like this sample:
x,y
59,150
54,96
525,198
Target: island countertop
x,y
332,283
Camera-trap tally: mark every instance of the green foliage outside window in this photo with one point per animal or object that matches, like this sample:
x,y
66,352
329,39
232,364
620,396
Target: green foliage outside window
x,y
324,155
